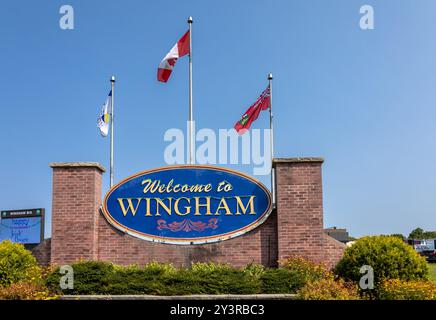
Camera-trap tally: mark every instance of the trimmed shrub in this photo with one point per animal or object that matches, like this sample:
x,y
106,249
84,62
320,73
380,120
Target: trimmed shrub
x,y
201,278
395,289
17,264
224,281
329,289
90,277
134,280
281,281
219,278
389,257
25,291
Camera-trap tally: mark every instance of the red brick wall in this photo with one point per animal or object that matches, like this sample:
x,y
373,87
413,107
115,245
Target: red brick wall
x,y
333,250
75,205
79,230
300,212
258,246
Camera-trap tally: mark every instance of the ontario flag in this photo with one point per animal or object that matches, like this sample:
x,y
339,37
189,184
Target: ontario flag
x,y
263,103
180,49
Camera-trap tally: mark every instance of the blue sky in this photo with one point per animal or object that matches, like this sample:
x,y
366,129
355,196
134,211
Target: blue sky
x,y
363,100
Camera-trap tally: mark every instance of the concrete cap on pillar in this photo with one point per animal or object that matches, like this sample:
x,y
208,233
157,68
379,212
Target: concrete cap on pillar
x,y
78,165
297,160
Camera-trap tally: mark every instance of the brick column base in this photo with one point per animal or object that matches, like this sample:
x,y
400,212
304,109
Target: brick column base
x,y
300,212
76,199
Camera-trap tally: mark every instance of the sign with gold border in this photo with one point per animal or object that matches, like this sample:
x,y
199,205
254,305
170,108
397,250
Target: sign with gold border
x,y
187,204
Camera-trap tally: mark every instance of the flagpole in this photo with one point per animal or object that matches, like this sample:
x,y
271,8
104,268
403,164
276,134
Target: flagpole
x,y
270,79
112,133
191,137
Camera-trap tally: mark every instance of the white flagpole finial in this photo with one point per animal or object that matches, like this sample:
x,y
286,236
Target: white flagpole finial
x,y
270,76
190,20
113,79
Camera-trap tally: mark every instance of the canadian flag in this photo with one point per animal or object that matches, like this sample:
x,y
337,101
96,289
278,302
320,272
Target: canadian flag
x,y
180,49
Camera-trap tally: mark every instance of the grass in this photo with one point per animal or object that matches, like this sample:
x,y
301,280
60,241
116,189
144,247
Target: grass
x,y
432,267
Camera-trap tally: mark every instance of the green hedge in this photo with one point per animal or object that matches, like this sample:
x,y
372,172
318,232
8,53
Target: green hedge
x,y
91,277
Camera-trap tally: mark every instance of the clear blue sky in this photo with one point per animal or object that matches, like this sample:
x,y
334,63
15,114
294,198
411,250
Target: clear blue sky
x,y
363,100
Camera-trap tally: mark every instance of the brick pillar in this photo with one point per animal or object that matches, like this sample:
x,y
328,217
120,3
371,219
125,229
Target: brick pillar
x,y
299,208
75,204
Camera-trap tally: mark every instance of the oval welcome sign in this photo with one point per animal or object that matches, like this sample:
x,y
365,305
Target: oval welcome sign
x,y
187,204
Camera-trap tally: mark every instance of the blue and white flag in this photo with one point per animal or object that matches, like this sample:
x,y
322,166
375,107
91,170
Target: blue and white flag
x,y
105,116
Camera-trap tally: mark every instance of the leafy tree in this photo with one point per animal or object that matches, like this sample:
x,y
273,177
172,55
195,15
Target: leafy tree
x,y
417,234
429,234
